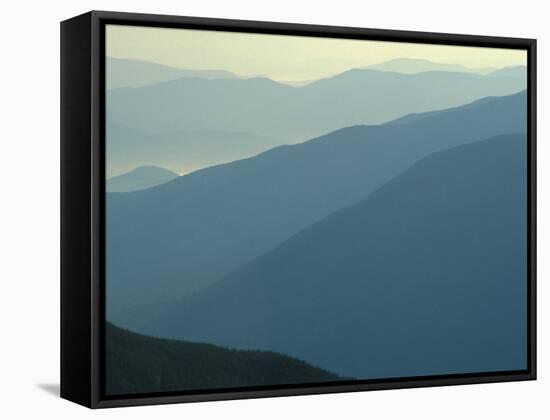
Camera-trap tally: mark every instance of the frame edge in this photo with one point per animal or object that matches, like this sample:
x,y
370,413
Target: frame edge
x,y
76,265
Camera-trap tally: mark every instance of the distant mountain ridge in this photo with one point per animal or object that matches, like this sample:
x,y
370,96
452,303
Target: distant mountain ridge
x,y
137,73
412,66
140,364
139,179
199,227
509,71
181,151
395,285
268,108
192,123
409,118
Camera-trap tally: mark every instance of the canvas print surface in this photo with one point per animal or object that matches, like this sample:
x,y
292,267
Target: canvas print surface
x,y
303,210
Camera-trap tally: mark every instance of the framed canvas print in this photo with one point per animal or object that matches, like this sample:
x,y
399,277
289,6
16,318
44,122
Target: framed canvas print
x,y
254,209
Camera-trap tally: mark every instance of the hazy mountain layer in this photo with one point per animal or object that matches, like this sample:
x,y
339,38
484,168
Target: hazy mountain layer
x,y
172,240
140,179
412,66
135,73
193,122
181,151
268,108
426,276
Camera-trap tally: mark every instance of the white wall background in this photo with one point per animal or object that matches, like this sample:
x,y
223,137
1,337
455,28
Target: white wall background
x,y
29,230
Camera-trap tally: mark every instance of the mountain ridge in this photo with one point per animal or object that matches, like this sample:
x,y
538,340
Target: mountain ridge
x,y
410,65
299,113
243,207
122,72
140,178
136,363
334,294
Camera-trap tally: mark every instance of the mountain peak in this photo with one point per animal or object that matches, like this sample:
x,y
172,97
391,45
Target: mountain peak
x,y
420,65
140,178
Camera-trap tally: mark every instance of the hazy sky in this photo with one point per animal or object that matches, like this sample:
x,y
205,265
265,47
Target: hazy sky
x,y
283,57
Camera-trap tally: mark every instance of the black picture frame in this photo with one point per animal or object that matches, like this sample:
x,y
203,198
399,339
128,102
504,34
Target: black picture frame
x,y
83,212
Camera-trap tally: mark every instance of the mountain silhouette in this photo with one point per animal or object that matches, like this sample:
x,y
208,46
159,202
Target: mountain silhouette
x,y
425,276
136,73
140,179
174,239
180,151
513,71
409,118
412,66
140,364
179,111
358,96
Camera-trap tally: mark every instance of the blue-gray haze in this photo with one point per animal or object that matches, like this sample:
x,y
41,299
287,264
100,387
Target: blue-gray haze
x,y
140,178
426,276
195,122
169,241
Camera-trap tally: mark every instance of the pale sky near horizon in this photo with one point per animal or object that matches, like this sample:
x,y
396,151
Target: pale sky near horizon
x,y
284,57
